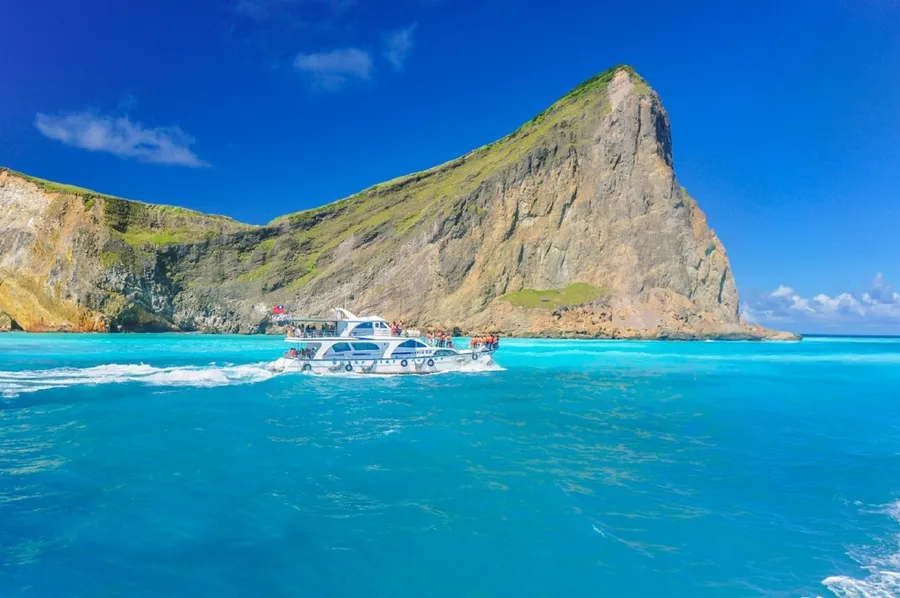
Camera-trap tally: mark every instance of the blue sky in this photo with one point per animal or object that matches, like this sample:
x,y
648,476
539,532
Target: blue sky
x,y
785,115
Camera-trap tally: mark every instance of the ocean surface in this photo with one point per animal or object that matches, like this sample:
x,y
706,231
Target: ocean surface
x,y
167,465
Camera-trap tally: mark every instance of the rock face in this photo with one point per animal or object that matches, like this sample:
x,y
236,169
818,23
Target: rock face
x,y
574,225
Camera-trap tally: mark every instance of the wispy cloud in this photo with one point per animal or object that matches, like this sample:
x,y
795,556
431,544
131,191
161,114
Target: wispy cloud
x,y
877,308
397,45
332,70
121,137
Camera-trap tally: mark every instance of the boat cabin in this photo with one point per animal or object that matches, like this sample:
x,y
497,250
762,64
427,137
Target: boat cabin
x,y
343,325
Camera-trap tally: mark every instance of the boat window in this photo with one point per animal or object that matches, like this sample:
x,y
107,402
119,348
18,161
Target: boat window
x,y
444,353
340,347
412,344
365,347
364,328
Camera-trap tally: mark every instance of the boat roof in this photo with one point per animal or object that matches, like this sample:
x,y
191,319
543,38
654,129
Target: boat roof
x,y
351,339
341,315
301,319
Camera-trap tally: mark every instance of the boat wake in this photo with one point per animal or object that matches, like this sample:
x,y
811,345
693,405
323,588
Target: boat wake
x,y
14,383
477,366
881,561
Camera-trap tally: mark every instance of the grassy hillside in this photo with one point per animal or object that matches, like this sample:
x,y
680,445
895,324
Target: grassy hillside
x,y
143,223
51,187
578,293
400,207
140,223
458,177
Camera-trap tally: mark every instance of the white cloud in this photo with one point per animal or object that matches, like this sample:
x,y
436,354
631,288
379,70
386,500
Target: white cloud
x,y
876,309
121,137
397,45
332,70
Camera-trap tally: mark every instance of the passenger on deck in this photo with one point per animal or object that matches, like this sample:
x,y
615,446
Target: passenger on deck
x,y
293,352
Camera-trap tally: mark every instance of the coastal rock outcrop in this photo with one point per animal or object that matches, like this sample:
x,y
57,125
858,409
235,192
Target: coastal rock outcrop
x,y
573,225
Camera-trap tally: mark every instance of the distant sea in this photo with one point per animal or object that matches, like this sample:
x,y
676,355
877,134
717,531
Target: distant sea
x,y
178,465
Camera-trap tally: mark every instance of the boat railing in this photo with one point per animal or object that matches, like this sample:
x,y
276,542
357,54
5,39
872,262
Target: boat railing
x,y
370,333
298,334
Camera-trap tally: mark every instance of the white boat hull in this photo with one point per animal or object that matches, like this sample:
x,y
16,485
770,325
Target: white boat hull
x,y
465,360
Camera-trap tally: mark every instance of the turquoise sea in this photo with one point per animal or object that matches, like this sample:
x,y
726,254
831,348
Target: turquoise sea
x,y
167,465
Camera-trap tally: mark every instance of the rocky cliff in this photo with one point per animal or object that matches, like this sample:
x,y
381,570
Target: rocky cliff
x,y
573,225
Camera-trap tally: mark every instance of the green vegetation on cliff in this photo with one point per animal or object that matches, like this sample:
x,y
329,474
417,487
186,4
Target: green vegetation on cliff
x,y
403,200
52,187
578,293
396,209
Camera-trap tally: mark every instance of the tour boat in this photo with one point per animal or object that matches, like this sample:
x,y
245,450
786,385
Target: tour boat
x,y
348,343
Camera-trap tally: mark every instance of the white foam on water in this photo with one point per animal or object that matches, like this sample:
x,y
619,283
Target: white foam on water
x,y
478,366
27,381
286,366
881,562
